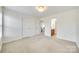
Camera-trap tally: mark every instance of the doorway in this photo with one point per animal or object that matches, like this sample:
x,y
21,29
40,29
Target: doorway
x,y
42,27
53,27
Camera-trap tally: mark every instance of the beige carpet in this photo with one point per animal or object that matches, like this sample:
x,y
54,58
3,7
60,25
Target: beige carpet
x,y
39,44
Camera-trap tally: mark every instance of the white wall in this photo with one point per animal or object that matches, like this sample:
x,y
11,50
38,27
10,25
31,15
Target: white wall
x,y
17,26
65,25
77,26
0,28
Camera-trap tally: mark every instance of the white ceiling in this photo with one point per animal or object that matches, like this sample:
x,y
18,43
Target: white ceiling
x,y
30,10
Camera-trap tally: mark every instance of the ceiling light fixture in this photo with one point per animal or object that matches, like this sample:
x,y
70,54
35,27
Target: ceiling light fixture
x,y
41,8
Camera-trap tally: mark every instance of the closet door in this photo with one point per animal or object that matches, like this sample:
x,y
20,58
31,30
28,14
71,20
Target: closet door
x,y
31,26
12,26
28,27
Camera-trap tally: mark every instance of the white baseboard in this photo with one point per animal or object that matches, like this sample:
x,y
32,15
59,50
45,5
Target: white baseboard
x,y
14,39
11,40
0,45
66,39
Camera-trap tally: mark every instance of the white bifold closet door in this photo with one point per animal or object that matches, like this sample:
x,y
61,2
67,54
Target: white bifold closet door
x,y
28,26
12,26
31,26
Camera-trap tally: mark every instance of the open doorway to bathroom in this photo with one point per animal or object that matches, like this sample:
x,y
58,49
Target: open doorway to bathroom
x,y
53,27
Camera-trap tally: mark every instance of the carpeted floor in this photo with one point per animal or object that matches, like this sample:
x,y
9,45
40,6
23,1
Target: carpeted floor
x,y
39,44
